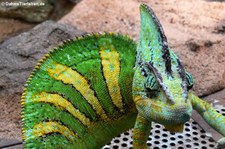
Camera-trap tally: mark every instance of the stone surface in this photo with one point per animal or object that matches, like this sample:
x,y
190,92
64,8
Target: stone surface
x,y
31,13
205,60
35,10
18,56
5,143
12,27
193,29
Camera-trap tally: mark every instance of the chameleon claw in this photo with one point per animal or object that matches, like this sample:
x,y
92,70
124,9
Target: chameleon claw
x,y
220,143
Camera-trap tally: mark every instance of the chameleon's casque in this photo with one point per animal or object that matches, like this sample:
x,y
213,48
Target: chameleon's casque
x,y
92,88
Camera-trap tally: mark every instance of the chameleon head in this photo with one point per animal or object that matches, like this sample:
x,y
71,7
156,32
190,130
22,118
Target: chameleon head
x,y
168,107
160,85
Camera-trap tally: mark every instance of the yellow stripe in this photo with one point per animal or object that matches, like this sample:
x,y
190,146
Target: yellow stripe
x,y
111,71
52,127
69,76
57,100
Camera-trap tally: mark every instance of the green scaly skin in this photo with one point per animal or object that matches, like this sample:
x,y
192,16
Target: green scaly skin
x,y
92,88
81,55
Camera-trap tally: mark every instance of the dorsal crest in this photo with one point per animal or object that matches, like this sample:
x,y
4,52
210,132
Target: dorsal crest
x,y
151,30
154,52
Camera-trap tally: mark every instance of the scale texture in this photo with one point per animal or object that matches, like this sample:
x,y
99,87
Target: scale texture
x,y
76,87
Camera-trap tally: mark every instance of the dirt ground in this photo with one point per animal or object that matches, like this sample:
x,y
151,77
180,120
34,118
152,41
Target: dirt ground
x,y
182,20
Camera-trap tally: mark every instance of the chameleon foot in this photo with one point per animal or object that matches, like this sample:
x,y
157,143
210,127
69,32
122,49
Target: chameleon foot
x,y
220,143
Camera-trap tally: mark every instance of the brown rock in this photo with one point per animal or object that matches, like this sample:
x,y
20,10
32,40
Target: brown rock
x,y
31,11
18,55
35,10
206,62
96,15
11,27
189,25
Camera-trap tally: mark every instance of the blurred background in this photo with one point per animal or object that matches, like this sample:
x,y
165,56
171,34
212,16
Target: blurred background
x,y
30,28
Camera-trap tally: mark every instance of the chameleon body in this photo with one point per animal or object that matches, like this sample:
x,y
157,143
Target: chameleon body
x,y
92,88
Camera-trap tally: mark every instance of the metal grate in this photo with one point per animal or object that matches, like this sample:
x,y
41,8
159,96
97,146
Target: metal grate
x,y
192,137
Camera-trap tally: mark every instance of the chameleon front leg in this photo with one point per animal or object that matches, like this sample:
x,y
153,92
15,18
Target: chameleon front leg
x,y
210,115
141,132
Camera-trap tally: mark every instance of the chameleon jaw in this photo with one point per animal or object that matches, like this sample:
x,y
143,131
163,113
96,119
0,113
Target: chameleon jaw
x,y
161,113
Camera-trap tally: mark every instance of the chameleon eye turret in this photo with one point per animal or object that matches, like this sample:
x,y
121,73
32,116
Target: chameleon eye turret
x,y
151,86
151,83
190,81
92,88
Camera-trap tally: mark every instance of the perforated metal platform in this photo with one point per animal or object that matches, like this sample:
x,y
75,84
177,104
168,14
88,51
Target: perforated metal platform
x,y
192,137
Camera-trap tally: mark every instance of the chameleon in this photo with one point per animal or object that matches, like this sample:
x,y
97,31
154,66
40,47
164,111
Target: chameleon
x,y
94,87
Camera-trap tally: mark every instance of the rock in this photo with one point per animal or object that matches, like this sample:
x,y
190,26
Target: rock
x,y
36,10
19,55
15,28
116,16
191,34
220,28
179,21
75,1
29,10
61,8
205,60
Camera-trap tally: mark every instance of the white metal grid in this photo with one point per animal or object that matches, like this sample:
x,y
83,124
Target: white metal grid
x,y
193,137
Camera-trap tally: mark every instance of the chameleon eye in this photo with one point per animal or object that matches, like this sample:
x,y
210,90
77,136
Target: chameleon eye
x,y
151,83
190,81
151,86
